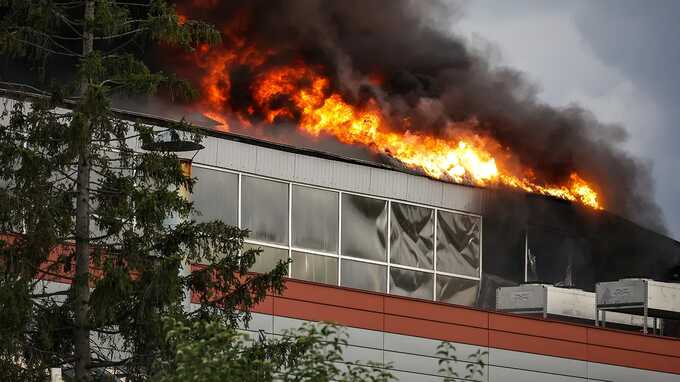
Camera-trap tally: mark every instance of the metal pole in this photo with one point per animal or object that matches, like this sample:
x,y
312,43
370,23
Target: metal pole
x,y
644,327
604,318
597,316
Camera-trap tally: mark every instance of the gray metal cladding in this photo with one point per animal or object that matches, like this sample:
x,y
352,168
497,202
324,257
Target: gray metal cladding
x,y
236,155
338,174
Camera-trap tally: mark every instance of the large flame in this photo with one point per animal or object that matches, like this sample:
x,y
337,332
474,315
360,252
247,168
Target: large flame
x,y
301,93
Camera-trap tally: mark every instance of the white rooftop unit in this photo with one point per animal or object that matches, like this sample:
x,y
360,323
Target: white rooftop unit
x,y
644,297
549,300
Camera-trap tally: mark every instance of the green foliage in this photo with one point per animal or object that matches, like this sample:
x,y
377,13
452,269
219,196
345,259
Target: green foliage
x,y
450,367
76,189
80,202
208,352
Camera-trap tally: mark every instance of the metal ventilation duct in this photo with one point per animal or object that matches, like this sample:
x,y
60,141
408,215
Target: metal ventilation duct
x,y
639,296
552,301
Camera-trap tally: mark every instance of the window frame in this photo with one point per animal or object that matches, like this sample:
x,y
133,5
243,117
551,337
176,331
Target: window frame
x,y
339,255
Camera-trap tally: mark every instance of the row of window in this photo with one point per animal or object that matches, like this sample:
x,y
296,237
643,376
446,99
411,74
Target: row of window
x,y
346,239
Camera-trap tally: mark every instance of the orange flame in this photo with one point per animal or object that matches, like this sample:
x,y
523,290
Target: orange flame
x,y
307,95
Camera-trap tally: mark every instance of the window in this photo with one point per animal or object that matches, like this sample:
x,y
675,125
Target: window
x,y
338,238
411,235
268,258
315,219
458,243
322,269
364,223
410,283
215,195
265,209
364,276
456,290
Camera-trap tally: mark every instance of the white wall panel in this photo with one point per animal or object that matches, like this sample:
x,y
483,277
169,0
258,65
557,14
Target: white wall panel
x,y
315,171
259,321
540,363
424,190
236,156
390,184
598,371
209,153
430,365
275,163
351,177
427,347
502,374
462,198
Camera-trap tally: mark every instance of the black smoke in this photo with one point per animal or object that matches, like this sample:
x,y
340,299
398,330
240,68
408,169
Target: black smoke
x,y
432,77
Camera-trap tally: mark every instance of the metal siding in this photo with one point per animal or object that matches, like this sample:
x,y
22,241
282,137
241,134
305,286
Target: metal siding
x,y
429,365
423,190
236,156
275,163
538,363
390,184
351,177
356,354
599,371
315,171
502,374
427,347
209,154
462,198
259,321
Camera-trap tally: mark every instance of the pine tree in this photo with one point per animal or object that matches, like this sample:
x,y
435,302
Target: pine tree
x,y
80,202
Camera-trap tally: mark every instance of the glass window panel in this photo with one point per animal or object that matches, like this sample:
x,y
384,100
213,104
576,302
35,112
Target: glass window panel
x,y
364,223
315,219
268,258
455,290
356,274
215,195
458,243
322,269
265,209
412,235
410,283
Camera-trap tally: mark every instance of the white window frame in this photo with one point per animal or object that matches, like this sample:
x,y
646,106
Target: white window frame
x,y
339,255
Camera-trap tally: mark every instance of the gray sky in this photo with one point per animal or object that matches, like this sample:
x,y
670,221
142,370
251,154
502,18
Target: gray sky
x,y
620,59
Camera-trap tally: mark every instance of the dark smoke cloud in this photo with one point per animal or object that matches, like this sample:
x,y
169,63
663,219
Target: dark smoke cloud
x,y
433,77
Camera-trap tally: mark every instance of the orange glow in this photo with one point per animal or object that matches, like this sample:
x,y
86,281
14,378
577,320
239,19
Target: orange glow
x,y
300,93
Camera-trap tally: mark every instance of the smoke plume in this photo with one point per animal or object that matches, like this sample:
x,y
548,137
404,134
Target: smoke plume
x,y
403,55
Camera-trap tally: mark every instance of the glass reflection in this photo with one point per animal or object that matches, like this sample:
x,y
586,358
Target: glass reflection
x,y
315,219
268,258
455,290
411,235
458,243
322,269
215,195
410,283
265,209
364,223
366,276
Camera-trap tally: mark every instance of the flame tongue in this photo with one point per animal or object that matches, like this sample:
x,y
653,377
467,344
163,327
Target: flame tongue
x,y
299,92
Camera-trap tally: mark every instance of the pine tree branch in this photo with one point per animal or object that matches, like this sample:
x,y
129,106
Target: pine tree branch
x,y
20,85
147,5
123,34
48,50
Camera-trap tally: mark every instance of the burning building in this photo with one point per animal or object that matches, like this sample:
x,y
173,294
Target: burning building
x,y
408,179
394,165
406,261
